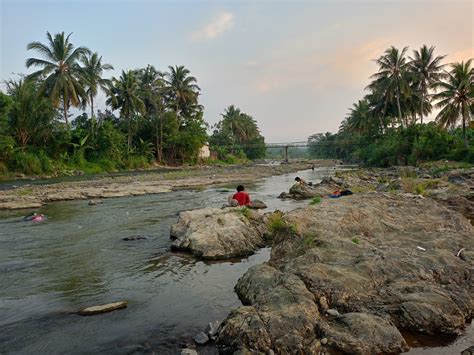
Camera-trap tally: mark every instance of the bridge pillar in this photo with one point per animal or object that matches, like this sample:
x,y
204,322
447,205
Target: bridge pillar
x,y
286,153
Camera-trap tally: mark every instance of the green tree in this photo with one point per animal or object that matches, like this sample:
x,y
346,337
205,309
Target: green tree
x,y
63,77
427,71
182,90
392,78
31,115
456,96
124,96
93,71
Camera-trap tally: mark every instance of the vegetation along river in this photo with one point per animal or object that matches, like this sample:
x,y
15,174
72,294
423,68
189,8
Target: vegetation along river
x,y
77,258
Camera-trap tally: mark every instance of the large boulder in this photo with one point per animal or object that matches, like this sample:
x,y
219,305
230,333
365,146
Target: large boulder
x,y
385,262
213,233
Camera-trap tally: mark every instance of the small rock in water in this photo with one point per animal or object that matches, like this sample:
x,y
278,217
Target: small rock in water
x,y
324,341
189,351
95,202
134,237
333,312
213,328
201,338
257,204
103,308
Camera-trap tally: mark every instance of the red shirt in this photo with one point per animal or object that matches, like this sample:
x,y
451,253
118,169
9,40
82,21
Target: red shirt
x,y
242,197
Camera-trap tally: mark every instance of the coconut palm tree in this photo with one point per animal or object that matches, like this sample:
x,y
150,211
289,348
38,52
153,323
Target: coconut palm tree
x,y
124,95
359,118
456,96
63,77
392,78
93,70
427,70
182,89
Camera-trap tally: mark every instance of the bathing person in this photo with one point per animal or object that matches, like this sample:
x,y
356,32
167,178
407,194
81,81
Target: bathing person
x,y
241,196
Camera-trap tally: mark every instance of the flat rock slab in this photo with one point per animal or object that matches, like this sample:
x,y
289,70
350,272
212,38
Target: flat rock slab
x,y
385,262
214,233
103,308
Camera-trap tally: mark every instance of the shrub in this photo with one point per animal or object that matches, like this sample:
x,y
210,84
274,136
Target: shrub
x,y
27,163
315,200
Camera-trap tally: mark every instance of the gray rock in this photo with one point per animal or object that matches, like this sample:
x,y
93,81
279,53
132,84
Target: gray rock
x,y
324,341
468,351
95,202
213,328
201,338
189,351
257,204
377,285
135,237
214,233
333,312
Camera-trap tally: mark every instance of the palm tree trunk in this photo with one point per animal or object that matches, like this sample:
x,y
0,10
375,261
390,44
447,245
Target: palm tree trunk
x,y
65,110
399,109
129,139
464,120
92,106
422,99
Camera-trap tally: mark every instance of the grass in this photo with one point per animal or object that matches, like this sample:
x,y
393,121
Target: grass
x,y
24,192
309,239
315,200
245,211
276,224
415,186
355,240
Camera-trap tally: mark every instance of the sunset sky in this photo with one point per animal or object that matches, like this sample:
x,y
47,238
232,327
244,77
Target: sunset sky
x,y
295,66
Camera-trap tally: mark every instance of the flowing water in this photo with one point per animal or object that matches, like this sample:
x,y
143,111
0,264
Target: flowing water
x,y
77,258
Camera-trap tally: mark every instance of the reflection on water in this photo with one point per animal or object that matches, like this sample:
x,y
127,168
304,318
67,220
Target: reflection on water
x,y
77,258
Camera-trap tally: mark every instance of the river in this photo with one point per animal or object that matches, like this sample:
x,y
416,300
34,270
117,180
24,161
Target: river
x,y
77,258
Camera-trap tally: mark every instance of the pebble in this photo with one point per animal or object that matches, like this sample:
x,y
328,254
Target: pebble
x,y
201,338
188,351
333,312
324,341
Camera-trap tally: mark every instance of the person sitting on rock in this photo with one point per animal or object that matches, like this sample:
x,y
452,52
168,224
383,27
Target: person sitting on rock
x,y
241,196
302,182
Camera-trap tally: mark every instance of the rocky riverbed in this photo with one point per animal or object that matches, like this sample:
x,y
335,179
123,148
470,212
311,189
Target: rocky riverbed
x,y
351,274
36,195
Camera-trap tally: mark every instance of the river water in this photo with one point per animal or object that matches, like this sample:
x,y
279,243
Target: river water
x,y
77,258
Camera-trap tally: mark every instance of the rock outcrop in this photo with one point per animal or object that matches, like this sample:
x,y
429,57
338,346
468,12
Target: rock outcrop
x,y
213,233
381,262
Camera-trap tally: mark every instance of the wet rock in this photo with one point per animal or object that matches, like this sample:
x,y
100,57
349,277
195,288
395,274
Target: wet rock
x,y
468,351
95,202
213,233
257,204
201,338
213,328
135,237
103,308
379,284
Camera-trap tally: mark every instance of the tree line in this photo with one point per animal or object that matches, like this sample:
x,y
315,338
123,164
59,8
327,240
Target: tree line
x,y
151,115
386,126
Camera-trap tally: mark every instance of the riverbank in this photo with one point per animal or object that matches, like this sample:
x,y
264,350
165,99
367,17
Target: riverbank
x,y
32,196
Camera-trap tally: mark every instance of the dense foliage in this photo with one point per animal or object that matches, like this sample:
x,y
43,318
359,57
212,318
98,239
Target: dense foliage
x,y
237,134
382,129
153,116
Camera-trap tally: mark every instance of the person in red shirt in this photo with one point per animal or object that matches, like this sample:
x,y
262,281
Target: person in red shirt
x,y
241,196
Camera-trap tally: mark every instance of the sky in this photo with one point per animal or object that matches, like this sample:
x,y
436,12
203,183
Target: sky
x,y
295,66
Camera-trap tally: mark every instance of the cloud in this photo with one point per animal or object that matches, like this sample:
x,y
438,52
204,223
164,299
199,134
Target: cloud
x,y
222,23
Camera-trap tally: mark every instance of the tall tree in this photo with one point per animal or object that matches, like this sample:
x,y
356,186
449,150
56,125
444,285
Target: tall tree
x,y
124,95
63,77
427,70
31,115
392,78
182,89
93,71
456,96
